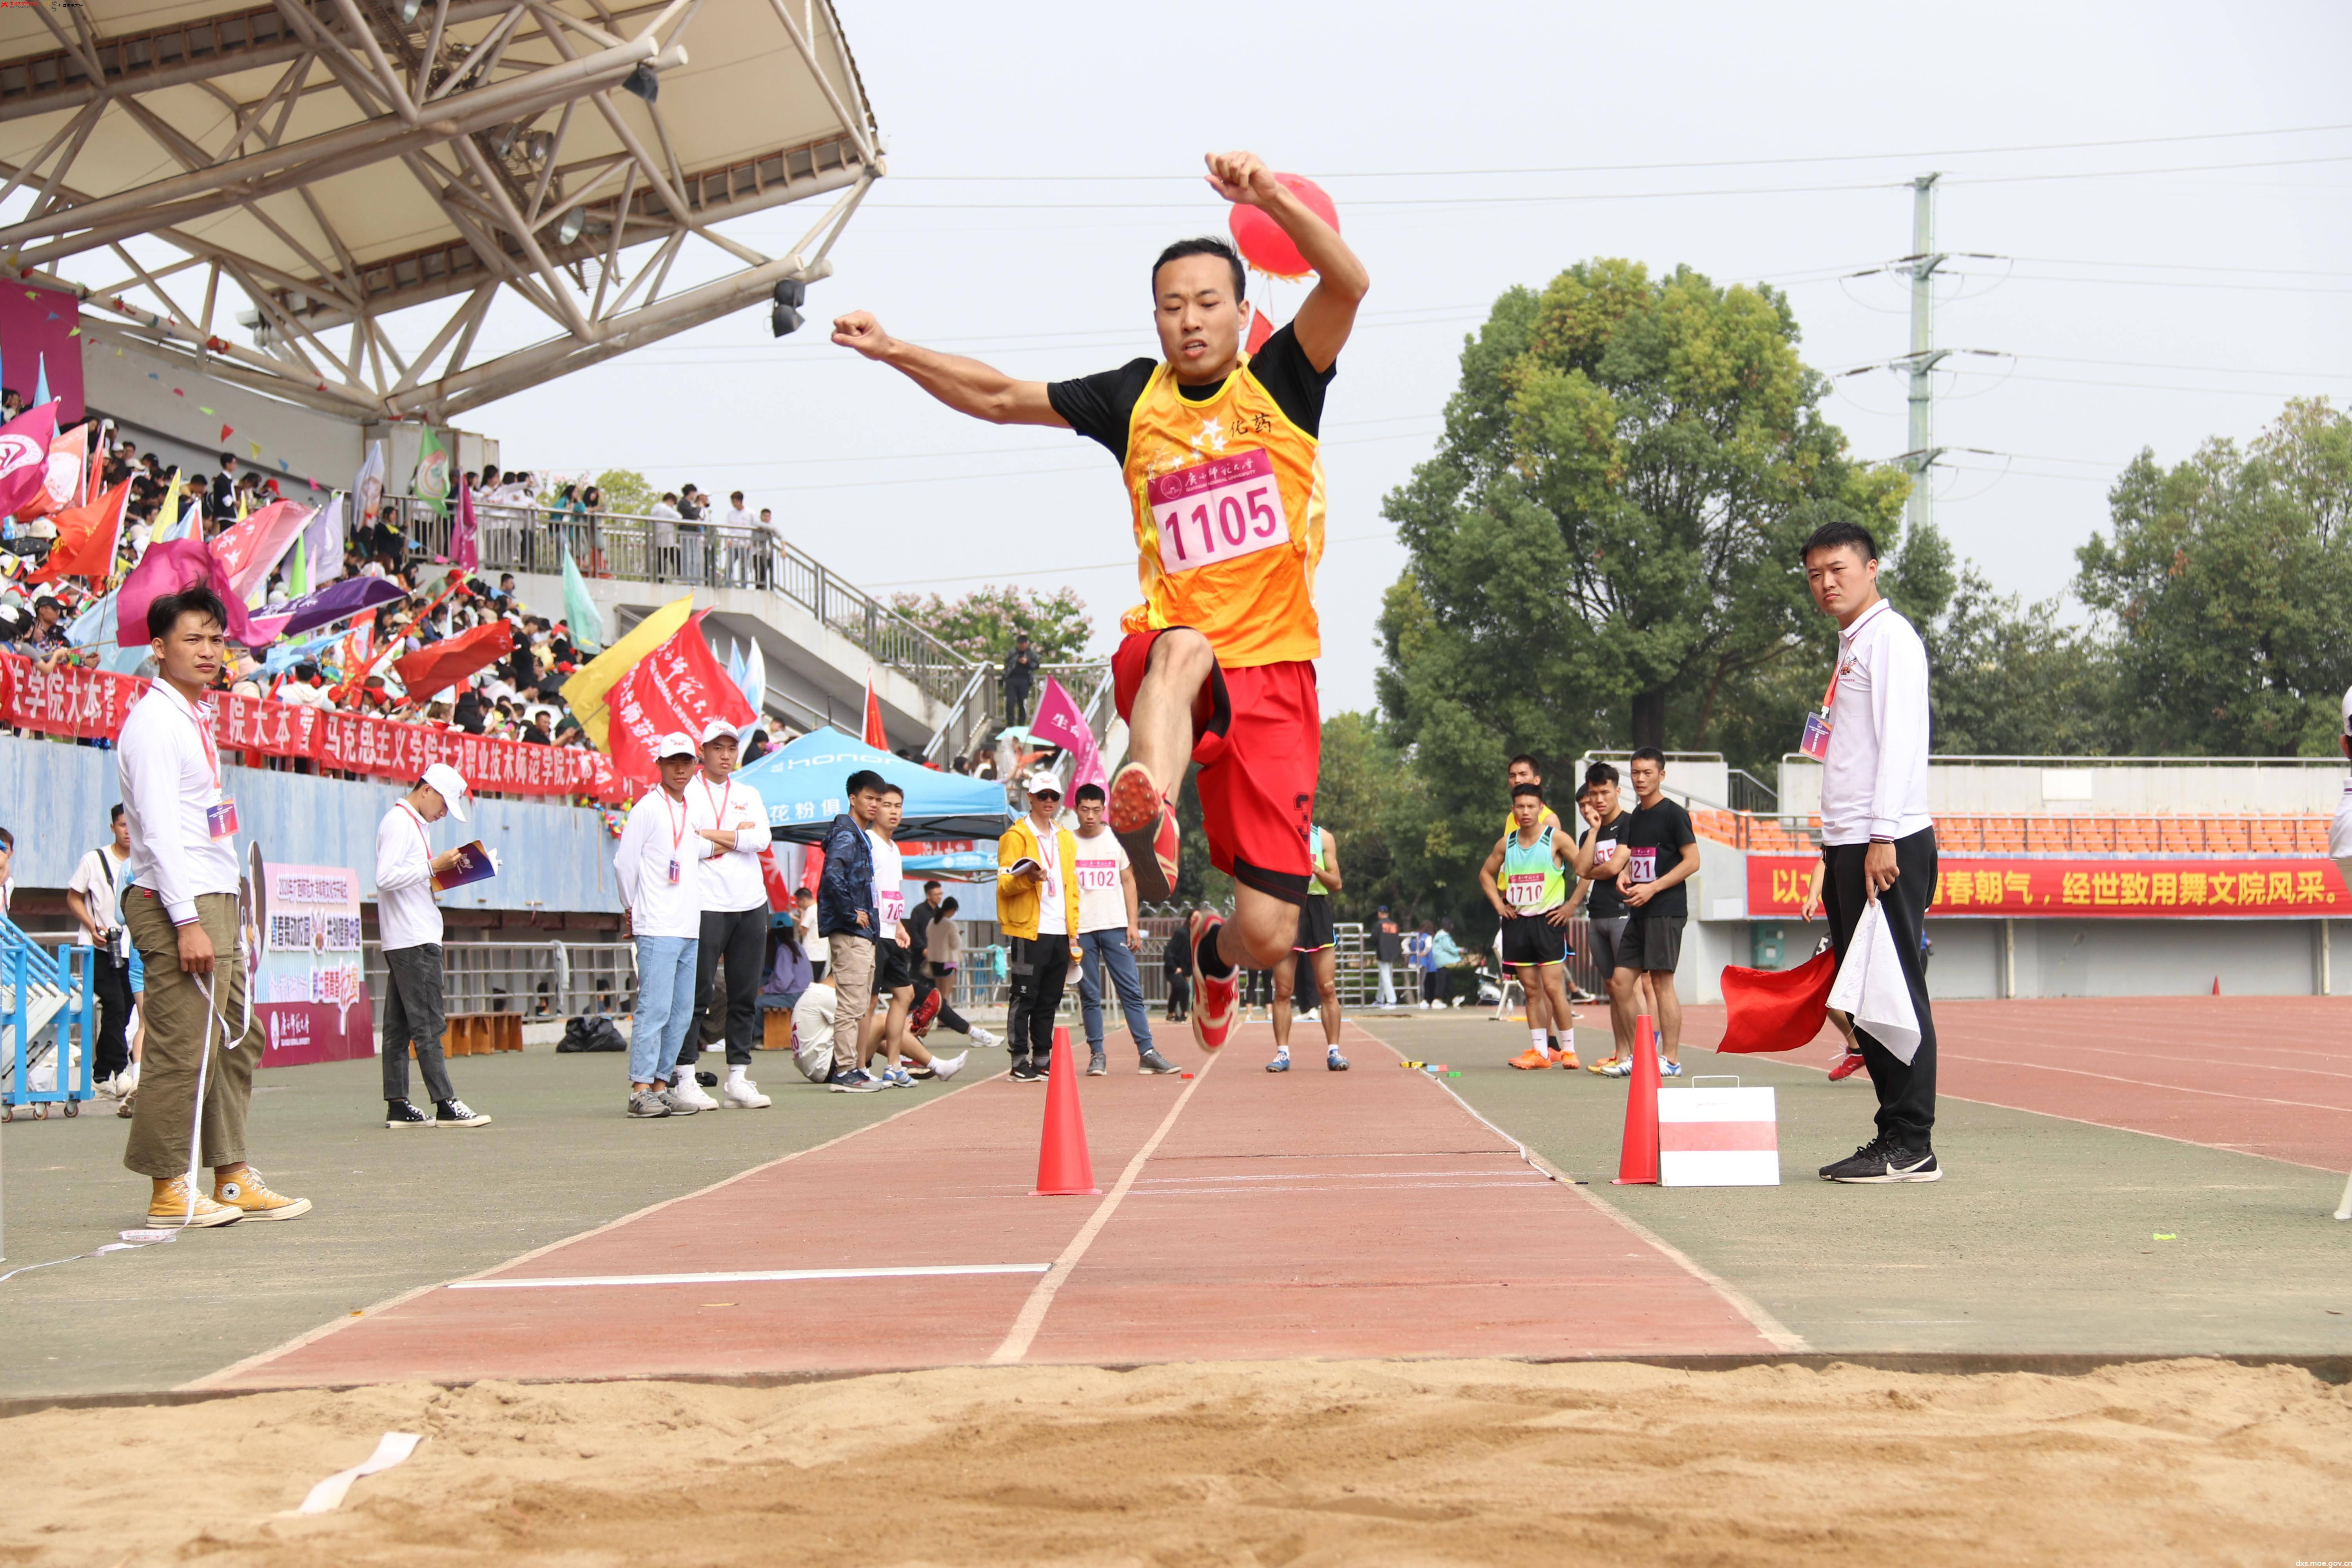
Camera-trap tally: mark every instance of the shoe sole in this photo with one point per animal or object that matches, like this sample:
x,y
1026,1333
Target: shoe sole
x,y
648,1115
472,1121
179,1220
1888,1179
854,1088
760,1104
395,1126
1159,1072
293,1210
1134,811
1337,1066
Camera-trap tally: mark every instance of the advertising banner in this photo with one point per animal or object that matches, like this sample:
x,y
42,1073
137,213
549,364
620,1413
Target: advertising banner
x,y
2267,887
308,990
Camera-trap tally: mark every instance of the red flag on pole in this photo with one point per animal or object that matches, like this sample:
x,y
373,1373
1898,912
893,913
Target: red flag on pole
x,y
1776,1010
452,659
87,538
679,688
876,735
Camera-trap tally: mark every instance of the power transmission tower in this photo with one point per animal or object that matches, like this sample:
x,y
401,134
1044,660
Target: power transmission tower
x,y
1920,264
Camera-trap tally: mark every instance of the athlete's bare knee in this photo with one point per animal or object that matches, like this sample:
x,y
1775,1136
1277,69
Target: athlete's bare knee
x,y
1181,656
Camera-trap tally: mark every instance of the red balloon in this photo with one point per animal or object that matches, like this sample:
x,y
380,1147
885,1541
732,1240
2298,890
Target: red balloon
x,y
1260,240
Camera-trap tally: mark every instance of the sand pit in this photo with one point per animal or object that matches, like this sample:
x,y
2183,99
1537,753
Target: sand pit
x,y
1293,1463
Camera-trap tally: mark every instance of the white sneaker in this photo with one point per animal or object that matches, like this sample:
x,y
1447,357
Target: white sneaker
x,y
744,1095
687,1089
981,1037
945,1067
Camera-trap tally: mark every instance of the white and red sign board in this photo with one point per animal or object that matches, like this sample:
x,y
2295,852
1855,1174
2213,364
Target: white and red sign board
x,y
1710,1136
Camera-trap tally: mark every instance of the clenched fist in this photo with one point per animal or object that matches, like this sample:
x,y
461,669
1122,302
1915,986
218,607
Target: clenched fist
x,y
1242,177
859,331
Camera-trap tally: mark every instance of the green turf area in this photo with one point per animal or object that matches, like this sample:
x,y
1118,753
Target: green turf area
x,y
2041,1236
395,1210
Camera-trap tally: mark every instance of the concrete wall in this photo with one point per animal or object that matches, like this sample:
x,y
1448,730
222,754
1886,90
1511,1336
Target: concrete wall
x,y
2080,786
122,377
557,858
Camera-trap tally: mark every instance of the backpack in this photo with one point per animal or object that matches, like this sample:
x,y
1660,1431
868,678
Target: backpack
x,y
593,1032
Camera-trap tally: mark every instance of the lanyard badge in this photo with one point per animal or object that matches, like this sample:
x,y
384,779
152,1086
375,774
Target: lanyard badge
x,y
1815,742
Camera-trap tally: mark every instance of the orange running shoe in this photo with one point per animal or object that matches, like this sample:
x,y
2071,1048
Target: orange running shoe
x,y
1213,1002
1531,1061
1145,826
1564,1059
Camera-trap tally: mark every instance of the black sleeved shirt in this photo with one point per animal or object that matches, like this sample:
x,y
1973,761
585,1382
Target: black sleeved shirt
x,y
1655,835
1607,902
1099,407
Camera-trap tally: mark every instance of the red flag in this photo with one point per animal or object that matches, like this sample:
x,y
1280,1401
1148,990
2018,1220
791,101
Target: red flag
x,y
1776,1009
876,735
1261,328
452,659
170,565
679,688
86,539
25,444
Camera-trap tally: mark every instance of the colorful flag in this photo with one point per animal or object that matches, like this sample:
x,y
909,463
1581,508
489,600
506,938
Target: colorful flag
x,y
322,544
465,536
367,488
453,659
585,693
253,548
86,539
167,515
338,601
431,483
41,379
1059,721
67,467
25,443
581,616
1776,1010
679,688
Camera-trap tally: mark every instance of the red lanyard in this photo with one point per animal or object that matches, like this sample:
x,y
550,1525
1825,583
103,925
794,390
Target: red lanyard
x,y
718,812
677,826
197,716
1845,646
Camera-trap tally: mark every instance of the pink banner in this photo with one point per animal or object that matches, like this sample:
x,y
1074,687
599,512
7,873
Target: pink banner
x,y
93,703
38,328
1059,721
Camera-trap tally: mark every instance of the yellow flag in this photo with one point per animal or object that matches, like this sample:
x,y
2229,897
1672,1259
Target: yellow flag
x,y
167,517
585,691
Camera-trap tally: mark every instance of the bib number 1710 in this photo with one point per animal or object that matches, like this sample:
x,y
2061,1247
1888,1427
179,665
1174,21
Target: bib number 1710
x,y
1218,510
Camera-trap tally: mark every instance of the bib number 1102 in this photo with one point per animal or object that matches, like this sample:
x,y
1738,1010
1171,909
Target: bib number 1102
x,y
1218,510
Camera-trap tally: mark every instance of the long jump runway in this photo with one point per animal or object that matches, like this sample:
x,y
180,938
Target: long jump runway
x,y
1243,1214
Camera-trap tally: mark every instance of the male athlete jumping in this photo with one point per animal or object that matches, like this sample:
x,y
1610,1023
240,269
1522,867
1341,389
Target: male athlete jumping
x,y
1220,453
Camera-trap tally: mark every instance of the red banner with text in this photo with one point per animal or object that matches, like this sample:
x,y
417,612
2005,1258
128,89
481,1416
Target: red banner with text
x,y
92,704
2268,886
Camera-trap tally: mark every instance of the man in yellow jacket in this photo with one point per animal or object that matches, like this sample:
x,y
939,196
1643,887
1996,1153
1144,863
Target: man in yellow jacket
x,y
1037,906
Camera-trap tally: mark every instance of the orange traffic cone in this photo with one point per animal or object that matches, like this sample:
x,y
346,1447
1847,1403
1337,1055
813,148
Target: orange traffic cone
x,y
1064,1167
2217,986
1637,1162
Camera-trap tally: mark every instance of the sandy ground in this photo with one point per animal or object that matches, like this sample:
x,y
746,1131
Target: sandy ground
x,y
1283,1463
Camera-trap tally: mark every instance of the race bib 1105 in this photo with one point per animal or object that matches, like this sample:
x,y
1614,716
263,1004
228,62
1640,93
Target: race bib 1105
x,y
1220,509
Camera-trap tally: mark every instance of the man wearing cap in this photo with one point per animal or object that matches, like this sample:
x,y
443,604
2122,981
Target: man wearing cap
x,y
410,924
662,889
1038,907
731,815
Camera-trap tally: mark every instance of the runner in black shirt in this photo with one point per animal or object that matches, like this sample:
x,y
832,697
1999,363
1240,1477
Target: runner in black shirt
x,y
1657,853
1604,908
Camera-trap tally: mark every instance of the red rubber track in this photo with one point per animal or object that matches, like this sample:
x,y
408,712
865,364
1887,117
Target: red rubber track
x,y
1358,1214
2261,1075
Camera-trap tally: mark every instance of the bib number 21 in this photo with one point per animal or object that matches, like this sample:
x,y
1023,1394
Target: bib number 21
x,y
1217,510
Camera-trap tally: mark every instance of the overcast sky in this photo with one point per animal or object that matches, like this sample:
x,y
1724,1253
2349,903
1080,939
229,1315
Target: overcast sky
x,y
2191,280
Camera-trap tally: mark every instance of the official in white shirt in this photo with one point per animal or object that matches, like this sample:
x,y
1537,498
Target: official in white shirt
x,y
1878,842
661,888
1111,933
730,814
94,897
2340,832
181,909
410,925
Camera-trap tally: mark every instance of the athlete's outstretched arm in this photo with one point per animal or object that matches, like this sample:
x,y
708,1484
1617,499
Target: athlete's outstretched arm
x,y
965,385
1327,318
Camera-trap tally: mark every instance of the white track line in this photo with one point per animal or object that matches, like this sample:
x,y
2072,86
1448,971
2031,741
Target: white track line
x,y
751,1277
236,1368
1738,1300
1032,1317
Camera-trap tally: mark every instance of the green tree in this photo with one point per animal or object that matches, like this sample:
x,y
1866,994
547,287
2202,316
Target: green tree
x,y
1605,545
2006,681
626,491
2224,580
1362,795
983,624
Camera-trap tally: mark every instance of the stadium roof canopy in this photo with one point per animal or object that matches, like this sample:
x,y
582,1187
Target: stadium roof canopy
x,y
333,162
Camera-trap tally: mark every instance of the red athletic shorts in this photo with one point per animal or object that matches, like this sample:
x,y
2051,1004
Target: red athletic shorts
x,y
1258,739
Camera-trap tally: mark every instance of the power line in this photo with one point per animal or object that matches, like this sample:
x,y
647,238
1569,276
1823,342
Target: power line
x,y
1645,168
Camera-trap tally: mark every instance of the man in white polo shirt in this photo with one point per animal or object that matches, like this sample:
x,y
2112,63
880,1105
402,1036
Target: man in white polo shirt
x,y
662,891
2340,832
1109,936
1878,842
409,922
730,814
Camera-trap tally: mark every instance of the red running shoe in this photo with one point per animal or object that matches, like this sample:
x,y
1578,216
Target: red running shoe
x,y
1850,1065
919,1022
1212,999
1145,824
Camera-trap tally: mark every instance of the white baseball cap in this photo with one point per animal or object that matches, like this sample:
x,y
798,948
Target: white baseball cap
x,y
1039,781
718,729
673,745
450,785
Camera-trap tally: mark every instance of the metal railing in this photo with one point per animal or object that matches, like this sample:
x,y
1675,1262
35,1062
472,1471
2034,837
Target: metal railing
x,y
542,980
704,554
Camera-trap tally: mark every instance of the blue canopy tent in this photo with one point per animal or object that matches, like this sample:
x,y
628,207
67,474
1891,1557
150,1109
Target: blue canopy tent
x,y
804,782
